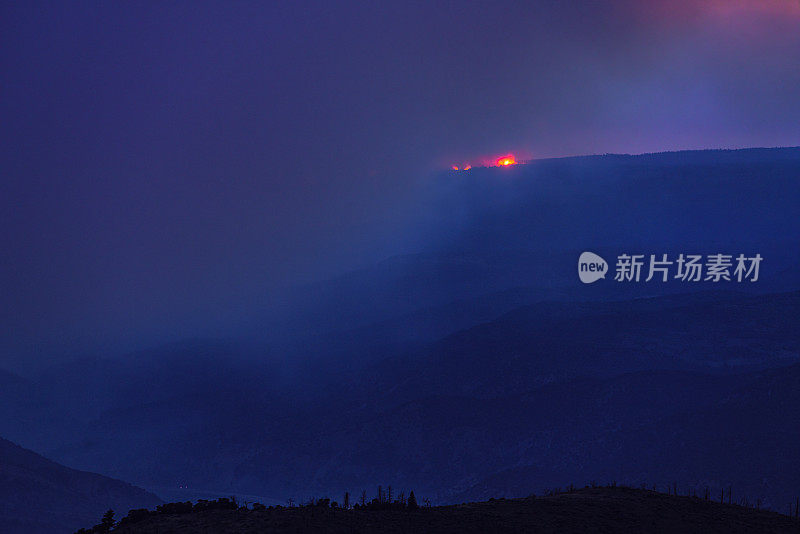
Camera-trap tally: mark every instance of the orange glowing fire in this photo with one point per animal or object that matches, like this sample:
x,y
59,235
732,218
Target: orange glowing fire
x,y
464,168
506,160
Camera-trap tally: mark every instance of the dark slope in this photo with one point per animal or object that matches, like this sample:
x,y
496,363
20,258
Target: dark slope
x,y
529,389
756,427
41,496
547,342
587,510
743,437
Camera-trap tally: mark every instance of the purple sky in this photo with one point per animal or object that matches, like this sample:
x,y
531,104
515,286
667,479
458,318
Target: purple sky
x,y
164,164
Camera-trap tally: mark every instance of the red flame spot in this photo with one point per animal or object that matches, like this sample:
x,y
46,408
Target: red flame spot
x,y
506,160
455,167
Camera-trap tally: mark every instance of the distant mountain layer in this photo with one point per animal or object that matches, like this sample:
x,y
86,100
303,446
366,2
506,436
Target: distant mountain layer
x,y
585,510
494,229
553,392
41,496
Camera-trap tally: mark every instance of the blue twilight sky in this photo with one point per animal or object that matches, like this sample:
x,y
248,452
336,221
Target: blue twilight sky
x,y
164,163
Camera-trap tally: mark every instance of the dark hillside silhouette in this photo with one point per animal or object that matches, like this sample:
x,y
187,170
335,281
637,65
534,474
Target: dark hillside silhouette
x,y
606,509
38,496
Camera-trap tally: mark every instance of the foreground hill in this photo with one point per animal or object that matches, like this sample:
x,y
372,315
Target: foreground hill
x,y
38,495
590,509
